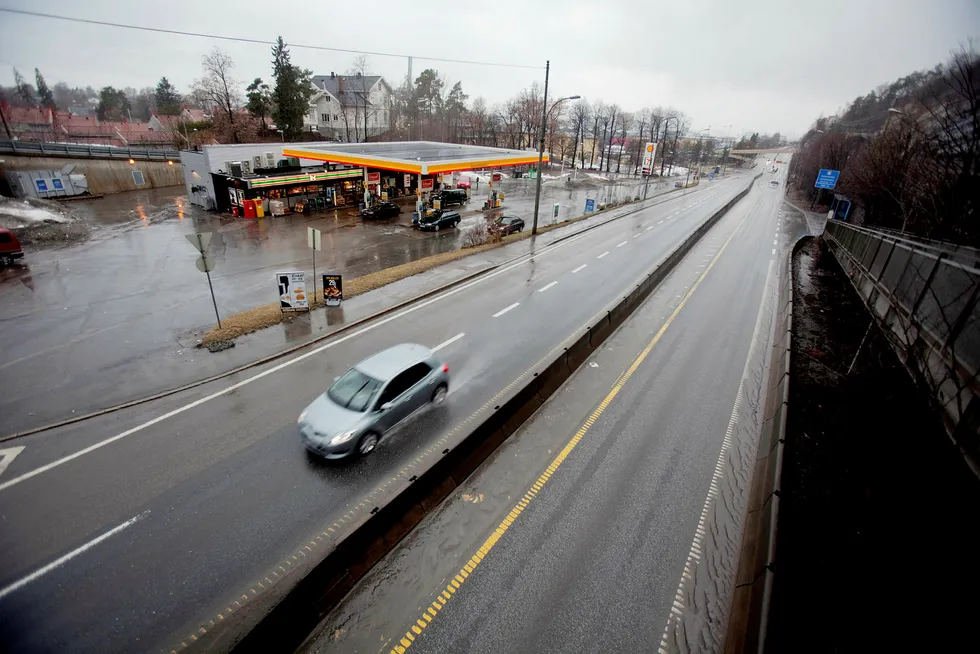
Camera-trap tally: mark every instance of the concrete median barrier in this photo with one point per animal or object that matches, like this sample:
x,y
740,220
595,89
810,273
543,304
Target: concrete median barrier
x,y
753,581
282,620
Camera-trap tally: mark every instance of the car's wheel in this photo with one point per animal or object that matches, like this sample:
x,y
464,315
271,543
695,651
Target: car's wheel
x,y
439,395
368,442
437,227
456,224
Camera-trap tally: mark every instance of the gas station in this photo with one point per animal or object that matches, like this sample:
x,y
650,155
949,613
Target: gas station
x,y
393,169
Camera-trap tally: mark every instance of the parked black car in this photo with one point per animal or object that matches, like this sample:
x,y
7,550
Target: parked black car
x,y
439,220
508,225
381,210
451,196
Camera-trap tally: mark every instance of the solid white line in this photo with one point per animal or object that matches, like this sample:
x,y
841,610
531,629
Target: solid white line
x,y
367,328
579,268
545,288
503,311
621,244
603,254
67,557
449,342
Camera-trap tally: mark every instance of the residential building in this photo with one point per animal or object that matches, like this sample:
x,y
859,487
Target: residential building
x,y
349,108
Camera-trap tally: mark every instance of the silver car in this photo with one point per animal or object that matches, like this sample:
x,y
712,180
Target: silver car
x,y
372,398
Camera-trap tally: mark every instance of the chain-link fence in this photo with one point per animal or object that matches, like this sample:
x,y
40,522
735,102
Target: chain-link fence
x,y
924,297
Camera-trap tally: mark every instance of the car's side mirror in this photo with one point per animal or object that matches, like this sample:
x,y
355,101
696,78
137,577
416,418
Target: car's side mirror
x,y
385,406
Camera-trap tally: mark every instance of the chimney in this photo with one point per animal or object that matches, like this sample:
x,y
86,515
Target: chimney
x,y
332,75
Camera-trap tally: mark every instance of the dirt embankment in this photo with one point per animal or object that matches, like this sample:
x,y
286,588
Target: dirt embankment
x,y
876,533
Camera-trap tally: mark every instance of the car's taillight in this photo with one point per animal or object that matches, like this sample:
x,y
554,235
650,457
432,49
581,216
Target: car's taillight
x,y
445,367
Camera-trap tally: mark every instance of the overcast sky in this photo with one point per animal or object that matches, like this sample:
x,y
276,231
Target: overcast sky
x,y
756,65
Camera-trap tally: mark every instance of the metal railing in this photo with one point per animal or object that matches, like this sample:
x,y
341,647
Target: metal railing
x,y
924,296
84,150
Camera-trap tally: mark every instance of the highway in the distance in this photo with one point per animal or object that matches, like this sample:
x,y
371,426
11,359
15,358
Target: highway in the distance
x,y
137,530
578,531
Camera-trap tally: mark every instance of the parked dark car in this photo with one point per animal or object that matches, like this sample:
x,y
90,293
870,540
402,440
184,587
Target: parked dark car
x,y
451,196
508,225
9,247
381,210
439,220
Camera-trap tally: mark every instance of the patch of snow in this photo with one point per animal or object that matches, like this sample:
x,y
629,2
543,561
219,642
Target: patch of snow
x,y
28,214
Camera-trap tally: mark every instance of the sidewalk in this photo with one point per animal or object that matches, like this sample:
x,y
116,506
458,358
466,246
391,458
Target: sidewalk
x,y
118,317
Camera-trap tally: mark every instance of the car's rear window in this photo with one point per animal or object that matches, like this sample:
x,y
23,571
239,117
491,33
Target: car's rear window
x,y
354,390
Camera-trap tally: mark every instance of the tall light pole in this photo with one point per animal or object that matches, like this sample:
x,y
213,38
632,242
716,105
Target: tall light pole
x,y
545,111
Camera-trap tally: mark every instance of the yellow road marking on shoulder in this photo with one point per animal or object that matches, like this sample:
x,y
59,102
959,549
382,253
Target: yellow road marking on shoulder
x,y
539,484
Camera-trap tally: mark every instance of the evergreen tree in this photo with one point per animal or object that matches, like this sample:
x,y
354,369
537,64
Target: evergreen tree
x,y
259,99
292,93
168,100
43,92
24,90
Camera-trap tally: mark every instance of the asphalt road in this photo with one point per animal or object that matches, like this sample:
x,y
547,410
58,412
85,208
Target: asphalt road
x,y
135,530
587,554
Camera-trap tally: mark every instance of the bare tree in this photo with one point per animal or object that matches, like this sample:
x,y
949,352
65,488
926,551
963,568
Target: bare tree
x,y
613,115
598,118
579,117
217,90
625,125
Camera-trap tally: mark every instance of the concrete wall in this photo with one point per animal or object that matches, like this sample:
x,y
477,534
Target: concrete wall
x,y
104,176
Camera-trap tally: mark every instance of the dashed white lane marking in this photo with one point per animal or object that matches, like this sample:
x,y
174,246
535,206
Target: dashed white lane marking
x,y
651,226
503,311
775,242
621,244
638,235
579,268
774,250
660,222
603,254
449,342
546,287
67,557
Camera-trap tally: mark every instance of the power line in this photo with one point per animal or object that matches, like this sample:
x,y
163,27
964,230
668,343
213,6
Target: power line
x,y
242,39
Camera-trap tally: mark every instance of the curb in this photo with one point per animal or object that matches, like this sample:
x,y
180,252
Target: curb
x,y
290,614
748,618
340,330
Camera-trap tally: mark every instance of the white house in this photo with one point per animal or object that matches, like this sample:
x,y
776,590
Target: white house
x,y
349,107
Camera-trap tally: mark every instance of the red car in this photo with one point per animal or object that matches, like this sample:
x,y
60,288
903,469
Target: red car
x,y
463,182
9,247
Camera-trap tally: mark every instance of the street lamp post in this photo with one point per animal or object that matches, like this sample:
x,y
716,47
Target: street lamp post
x,y
545,111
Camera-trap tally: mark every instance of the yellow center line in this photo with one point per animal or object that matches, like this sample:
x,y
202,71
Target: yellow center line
x,y
429,612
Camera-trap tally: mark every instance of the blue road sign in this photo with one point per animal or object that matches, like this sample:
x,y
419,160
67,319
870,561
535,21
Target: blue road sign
x,y
827,178
589,205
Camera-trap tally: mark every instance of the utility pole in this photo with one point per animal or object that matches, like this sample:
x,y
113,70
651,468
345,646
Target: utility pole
x,y
544,121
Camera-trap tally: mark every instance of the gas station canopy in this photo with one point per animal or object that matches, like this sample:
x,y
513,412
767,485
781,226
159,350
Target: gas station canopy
x,y
419,157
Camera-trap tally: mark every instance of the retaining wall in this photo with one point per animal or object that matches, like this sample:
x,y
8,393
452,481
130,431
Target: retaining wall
x,y
104,175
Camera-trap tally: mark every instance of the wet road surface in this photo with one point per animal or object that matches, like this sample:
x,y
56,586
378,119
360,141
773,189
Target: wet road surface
x,y
165,515
586,547
118,317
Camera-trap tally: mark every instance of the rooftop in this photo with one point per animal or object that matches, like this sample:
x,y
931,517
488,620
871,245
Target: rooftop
x,y
422,157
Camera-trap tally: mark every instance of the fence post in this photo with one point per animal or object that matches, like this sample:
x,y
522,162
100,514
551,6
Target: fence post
x,y
925,287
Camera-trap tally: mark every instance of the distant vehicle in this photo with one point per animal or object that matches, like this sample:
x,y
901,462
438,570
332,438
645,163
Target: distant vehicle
x,y
451,196
439,220
678,184
773,183
9,247
371,399
463,182
508,225
381,210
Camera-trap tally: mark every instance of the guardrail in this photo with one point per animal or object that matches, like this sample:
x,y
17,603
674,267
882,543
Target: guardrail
x,y
925,300
86,151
